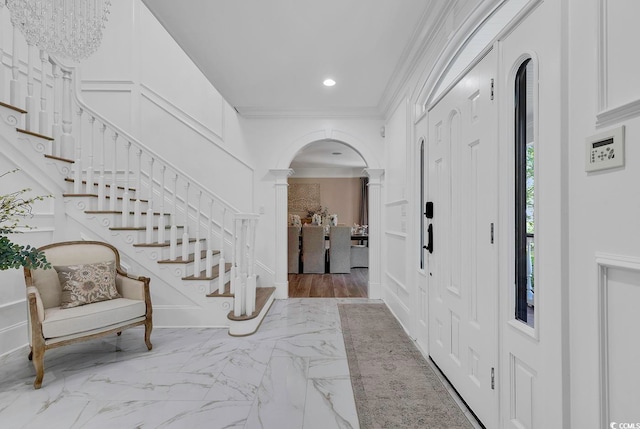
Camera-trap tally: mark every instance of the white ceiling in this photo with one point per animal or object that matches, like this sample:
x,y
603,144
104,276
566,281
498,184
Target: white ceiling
x,y
269,57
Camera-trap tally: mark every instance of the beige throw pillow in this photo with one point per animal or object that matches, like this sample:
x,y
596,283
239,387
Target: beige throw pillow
x,y
87,283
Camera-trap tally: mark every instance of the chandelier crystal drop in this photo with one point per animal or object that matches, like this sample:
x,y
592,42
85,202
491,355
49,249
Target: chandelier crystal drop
x,y
69,28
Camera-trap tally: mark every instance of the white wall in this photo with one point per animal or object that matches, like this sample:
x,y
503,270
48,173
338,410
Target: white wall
x,y
142,81
604,207
13,306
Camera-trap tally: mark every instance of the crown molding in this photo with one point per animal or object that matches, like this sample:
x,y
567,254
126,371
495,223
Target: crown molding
x,y
427,30
338,112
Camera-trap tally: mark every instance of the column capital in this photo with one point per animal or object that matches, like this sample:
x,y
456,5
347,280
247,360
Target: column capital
x,y
281,175
374,174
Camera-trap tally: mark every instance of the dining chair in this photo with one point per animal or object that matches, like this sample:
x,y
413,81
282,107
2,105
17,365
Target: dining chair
x,y
293,249
359,256
339,249
313,250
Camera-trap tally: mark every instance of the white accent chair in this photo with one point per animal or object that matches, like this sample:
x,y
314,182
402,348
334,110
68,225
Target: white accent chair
x,y
52,326
313,249
339,249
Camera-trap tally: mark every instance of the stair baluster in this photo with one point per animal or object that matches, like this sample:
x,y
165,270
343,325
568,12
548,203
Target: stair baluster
x,y
185,231
126,195
209,261
43,122
14,86
77,165
173,246
56,129
234,256
161,220
90,160
29,101
101,179
136,205
114,171
149,229
197,246
222,262
67,137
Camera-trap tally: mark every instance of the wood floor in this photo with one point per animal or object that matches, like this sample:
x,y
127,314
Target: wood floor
x,y
352,285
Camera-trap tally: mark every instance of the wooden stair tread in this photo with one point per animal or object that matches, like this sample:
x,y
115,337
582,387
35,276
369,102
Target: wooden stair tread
x,y
106,196
31,133
84,182
120,212
262,296
226,294
57,158
179,260
9,106
166,243
80,195
214,274
137,228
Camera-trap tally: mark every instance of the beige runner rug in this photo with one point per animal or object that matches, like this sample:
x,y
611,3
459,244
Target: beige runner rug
x,y
393,385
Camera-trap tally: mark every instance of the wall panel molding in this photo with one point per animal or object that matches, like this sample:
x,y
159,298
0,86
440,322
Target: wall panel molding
x,y
175,111
605,263
607,114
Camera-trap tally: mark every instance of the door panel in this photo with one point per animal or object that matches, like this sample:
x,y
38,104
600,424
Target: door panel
x,y
462,165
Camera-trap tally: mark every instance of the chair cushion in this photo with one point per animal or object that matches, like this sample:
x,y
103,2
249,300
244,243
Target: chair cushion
x,y
60,322
87,283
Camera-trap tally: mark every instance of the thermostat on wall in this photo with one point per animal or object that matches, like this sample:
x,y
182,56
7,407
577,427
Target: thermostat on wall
x,y
605,150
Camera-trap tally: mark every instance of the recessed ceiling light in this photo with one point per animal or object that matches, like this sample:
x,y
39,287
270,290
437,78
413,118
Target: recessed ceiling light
x,y
336,153
329,82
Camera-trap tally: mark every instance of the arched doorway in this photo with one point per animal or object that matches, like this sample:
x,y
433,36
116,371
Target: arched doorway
x,y
328,186
372,171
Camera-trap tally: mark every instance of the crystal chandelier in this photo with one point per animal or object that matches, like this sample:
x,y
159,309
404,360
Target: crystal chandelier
x,y
70,28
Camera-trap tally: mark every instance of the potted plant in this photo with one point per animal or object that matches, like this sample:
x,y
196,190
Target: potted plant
x,y
14,207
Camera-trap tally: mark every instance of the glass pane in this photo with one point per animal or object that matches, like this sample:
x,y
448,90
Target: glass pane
x,y
525,195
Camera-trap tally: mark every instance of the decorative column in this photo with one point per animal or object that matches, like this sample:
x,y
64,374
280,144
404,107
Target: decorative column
x,y
375,232
280,219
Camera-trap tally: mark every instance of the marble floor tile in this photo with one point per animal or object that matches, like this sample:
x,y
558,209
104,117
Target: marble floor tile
x,y
293,373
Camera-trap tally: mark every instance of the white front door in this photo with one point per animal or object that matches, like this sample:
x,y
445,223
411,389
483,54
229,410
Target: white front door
x,y
462,266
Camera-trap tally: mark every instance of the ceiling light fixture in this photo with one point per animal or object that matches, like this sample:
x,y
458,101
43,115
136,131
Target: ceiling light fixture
x,y
329,82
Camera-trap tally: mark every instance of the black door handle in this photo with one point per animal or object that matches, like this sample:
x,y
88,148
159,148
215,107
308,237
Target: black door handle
x,y
429,245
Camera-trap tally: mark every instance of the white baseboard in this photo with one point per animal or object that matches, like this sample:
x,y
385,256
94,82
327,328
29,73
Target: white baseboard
x,y
13,337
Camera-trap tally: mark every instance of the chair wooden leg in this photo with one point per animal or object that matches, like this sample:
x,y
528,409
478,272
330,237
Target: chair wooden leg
x,y
38,363
148,327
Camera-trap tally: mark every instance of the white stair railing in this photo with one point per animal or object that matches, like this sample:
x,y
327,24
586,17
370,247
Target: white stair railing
x,y
59,92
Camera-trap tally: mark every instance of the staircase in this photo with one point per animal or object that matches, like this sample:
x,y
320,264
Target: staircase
x,y
198,250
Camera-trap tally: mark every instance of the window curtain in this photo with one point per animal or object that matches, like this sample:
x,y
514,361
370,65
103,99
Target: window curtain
x,y
363,216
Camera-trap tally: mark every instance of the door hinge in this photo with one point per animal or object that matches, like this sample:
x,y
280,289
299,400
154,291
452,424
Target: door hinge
x,y
492,85
493,379
491,232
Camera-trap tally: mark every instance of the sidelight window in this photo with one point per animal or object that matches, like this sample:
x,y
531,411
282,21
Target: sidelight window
x,y
525,255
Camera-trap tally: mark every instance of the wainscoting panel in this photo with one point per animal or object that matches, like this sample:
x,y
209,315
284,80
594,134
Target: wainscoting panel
x,y
619,294
616,64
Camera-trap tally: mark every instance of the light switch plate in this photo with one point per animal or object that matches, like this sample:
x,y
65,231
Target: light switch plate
x,y
605,150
